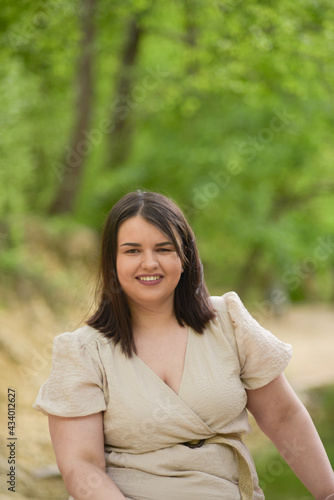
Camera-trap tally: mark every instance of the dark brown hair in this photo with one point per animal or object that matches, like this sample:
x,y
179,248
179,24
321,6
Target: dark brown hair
x,y
192,305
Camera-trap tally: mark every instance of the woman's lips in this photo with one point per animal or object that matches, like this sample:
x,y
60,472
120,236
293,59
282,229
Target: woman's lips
x,y
150,280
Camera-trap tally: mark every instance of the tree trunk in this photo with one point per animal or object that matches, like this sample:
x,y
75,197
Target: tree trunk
x,y
69,171
191,34
249,271
121,123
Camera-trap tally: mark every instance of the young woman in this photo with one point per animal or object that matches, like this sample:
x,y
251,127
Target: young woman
x,y
148,401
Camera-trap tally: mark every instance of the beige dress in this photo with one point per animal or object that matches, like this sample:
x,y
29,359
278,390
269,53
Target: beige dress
x,y
145,420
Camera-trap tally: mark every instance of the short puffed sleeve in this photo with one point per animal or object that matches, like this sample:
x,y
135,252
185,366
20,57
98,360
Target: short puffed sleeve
x,y
75,385
262,356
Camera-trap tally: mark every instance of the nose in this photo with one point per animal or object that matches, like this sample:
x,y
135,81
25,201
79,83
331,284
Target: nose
x,y
149,260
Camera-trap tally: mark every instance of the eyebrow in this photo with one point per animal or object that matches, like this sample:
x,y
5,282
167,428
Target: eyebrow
x,y
162,244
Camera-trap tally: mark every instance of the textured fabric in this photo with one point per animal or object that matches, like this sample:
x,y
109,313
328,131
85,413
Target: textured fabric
x,y
245,478
145,420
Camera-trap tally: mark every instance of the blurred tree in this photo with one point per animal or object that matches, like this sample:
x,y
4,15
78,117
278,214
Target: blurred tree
x,y
121,126
191,15
70,170
128,94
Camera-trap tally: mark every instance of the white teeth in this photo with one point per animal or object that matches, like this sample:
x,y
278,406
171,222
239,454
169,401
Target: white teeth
x,y
149,278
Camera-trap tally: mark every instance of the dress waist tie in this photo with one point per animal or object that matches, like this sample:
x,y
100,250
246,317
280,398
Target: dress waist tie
x,y
245,475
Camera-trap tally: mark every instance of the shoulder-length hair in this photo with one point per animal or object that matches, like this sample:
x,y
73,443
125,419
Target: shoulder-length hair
x,y
192,305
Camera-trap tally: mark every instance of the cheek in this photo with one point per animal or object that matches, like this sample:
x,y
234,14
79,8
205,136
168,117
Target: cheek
x,y
121,268
176,265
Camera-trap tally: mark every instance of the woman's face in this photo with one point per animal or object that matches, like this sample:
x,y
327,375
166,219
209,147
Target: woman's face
x,y
148,265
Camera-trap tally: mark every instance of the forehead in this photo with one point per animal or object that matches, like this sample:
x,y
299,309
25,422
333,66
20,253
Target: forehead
x,y
137,229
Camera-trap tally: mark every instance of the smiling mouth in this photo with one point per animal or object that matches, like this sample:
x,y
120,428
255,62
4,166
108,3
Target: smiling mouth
x,y
149,278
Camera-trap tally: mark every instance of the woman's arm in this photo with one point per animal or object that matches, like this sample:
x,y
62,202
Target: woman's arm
x,y
79,447
284,419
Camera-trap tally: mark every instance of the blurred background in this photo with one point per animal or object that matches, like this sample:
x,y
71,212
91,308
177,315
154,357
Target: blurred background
x,y
224,106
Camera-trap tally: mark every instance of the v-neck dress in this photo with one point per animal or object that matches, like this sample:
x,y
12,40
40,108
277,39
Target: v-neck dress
x,y
145,421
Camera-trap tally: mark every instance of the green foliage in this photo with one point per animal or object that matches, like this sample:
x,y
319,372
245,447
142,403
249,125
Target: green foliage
x,y
231,114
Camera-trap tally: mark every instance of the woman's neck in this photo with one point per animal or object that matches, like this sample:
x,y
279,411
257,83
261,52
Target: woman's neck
x,y
146,320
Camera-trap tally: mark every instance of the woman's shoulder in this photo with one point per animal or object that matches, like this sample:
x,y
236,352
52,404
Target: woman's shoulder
x,y
231,312
82,337
223,303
